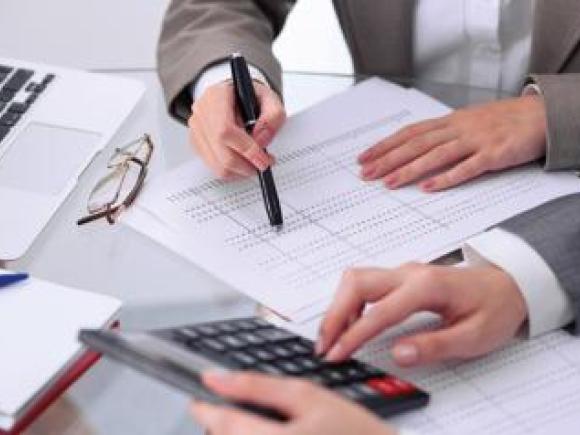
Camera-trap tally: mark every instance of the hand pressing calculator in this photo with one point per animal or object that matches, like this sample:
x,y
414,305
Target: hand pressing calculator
x,y
177,356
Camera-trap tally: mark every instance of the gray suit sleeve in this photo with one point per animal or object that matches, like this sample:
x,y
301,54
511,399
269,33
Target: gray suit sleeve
x,y
199,33
553,230
562,97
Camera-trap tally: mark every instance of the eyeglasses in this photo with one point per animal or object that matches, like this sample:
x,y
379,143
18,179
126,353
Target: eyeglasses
x,y
118,189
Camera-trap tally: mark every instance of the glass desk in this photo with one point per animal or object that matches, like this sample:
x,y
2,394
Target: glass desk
x,y
158,287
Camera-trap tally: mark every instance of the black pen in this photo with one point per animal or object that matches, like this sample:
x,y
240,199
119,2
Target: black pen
x,y
247,104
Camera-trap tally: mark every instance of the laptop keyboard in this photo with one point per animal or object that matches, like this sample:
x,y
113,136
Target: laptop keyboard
x,y
19,90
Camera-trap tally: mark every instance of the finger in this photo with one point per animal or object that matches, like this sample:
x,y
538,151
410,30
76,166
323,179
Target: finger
x,y
457,341
229,162
268,391
407,152
241,143
404,135
439,157
222,420
393,309
462,172
357,287
204,151
272,116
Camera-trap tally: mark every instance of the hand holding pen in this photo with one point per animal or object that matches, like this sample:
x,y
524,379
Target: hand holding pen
x,y
219,136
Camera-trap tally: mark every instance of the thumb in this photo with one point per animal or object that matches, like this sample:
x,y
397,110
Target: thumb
x,y
455,341
272,115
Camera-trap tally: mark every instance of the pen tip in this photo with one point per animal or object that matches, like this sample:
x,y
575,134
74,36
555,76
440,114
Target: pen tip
x,y
236,55
278,228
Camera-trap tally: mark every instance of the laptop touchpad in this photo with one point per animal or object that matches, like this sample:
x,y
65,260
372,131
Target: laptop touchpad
x,y
43,158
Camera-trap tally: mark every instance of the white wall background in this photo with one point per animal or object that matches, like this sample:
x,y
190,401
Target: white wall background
x,y
120,34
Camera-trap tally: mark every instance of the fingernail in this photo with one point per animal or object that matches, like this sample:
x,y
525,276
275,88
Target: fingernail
x,y
405,354
364,157
263,137
367,172
262,161
391,181
428,185
335,353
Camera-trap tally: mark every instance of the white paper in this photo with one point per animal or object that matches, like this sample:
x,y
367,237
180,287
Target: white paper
x,y
39,325
332,219
530,386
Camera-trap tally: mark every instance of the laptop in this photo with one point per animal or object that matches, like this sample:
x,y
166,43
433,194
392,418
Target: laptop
x,y
53,121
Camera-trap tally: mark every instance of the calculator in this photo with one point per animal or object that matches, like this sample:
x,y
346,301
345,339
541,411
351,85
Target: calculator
x,y
179,355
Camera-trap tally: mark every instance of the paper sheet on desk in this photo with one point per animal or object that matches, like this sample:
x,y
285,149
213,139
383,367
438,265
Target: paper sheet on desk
x,y
332,219
531,386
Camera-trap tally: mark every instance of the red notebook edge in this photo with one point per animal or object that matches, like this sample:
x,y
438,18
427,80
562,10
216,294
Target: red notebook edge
x,y
77,370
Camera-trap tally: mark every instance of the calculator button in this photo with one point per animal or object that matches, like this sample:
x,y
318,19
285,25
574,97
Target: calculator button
x,y
280,351
227,327
403,386
252,338
316,378
333,376
212,344
269,369
243,358
261,323
275,335
290,367
262,354
385,386
245,325
232,341
308,364
299,349
189,333
208,330
350,392
365,391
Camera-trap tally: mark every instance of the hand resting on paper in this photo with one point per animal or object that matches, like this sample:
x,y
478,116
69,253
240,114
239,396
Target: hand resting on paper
x,y
481,308
218,135
461,146
310,408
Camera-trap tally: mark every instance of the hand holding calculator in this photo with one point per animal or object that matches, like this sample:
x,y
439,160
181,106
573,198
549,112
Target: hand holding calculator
x,y
177,356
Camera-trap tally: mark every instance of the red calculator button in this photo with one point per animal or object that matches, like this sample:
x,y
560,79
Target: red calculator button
x,y
404,386
385,386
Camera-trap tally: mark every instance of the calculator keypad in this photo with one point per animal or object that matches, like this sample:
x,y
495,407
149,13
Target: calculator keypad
x,y
253,344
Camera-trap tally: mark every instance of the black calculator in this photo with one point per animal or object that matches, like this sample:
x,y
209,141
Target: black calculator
x,y
177,356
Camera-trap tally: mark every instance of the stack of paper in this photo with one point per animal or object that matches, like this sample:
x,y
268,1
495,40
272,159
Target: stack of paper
x,y
333,220
39,324
529,387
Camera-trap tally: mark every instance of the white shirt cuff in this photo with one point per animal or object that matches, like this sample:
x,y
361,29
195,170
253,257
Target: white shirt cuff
x,y
549,307
218,73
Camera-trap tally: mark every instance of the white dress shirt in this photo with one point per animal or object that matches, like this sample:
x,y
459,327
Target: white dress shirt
x,y
483,43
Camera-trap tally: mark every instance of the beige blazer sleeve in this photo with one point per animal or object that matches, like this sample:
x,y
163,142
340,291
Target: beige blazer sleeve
x,y
199,33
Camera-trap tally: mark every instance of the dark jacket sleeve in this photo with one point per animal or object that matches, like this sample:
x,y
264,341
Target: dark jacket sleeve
x,y
199,33
553,230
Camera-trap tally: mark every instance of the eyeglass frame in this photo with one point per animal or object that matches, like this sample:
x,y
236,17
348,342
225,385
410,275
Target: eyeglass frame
x,y
111,212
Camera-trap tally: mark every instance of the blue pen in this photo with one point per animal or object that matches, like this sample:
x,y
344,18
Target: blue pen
x,y
12,278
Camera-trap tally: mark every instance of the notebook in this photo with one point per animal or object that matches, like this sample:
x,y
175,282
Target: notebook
x,y
41,356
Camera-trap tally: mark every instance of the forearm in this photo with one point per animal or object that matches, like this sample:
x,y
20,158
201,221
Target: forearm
x,y
553,231
197,34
